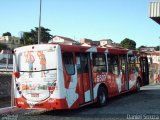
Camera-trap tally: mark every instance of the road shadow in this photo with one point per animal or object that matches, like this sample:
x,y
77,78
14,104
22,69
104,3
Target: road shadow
x,y
81,113
86,112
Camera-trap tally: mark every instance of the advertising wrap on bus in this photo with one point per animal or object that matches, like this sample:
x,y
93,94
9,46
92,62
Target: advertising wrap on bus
x,y
37,72
56,76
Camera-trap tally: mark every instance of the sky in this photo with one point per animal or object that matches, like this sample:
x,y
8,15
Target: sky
x,y
77,19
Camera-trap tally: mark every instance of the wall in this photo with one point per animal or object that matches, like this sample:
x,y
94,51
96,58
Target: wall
x,y
5,85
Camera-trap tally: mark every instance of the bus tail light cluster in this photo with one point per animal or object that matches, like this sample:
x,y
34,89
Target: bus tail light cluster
x,y
52,88
16,74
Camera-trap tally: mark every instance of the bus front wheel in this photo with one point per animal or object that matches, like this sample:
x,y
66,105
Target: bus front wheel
x,y
102,96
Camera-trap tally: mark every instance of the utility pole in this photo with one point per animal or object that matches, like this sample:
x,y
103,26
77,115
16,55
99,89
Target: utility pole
x,y
39,28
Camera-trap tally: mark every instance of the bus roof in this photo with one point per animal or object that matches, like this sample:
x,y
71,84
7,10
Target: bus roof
x,y
78,48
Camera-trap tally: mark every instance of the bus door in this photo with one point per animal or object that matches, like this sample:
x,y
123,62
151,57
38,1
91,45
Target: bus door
x,y
145,70
131,72
84,78
115,83
123,72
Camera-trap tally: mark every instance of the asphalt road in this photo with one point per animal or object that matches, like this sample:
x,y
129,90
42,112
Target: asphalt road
x,y
142,105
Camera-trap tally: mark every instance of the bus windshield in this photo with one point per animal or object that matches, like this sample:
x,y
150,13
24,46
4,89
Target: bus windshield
x,y
37,68
36,61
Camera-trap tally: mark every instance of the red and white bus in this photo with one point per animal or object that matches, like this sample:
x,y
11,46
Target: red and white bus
x,y
54,76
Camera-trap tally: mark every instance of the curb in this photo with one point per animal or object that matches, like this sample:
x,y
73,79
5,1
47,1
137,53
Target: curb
x,y
8,110
26,112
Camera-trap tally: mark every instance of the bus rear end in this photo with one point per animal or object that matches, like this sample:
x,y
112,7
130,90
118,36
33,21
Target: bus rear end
x,y
37,71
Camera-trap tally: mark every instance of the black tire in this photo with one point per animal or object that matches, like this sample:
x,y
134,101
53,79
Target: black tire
x,y
102,96
138,86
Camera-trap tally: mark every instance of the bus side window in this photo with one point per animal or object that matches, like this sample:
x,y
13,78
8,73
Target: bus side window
x,y
123,63
68,62
110,66
78,63
132,63
99,62
113,64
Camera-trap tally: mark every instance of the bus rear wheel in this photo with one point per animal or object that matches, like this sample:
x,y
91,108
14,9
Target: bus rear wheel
x,y
102,96
137,86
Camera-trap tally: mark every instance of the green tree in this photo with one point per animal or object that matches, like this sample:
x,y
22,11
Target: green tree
x,y
7,34
142,46
27,38
32,36
157,48
128,43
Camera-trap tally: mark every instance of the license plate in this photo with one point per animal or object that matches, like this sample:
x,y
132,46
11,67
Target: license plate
x,y
35,95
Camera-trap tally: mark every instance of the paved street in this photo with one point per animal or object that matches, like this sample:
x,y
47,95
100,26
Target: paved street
x,y
141,105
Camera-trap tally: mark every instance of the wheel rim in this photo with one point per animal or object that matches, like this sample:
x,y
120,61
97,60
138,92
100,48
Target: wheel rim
x,y
103,98
138,86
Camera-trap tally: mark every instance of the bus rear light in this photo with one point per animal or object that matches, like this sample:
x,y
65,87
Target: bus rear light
x,y
16,74
54,84
52,87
